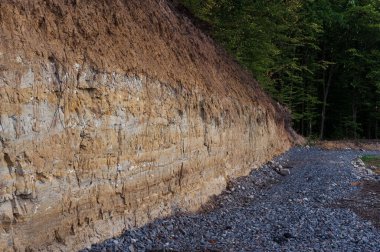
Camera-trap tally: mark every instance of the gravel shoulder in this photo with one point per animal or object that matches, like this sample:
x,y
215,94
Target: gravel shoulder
x,y
308,199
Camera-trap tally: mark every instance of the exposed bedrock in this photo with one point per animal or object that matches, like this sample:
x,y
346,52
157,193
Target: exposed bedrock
x,y
113,113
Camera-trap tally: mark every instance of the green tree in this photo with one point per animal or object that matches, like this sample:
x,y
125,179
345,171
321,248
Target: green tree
x,y
320,58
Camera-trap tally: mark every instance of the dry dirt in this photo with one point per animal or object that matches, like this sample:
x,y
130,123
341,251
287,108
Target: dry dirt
x,y
365,202
351,144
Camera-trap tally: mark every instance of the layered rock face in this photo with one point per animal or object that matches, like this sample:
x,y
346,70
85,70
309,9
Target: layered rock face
x,y
113,113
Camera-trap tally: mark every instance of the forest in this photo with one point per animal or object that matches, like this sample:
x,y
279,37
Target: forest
x,y
320,58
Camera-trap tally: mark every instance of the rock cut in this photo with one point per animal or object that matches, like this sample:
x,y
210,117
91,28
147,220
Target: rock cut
x,y
114,113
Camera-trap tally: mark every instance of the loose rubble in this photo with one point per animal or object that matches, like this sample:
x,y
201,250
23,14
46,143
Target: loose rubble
x,y
359,164
289,204
276,166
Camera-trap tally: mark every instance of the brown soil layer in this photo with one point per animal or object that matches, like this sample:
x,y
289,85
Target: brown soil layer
x,y
352,144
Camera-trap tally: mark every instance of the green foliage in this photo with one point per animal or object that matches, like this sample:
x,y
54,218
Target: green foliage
x,y
371,160
310,55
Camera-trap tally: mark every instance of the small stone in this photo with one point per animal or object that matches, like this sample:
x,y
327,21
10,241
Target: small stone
x,y
284,172
360,162
369,172
131,248
365,239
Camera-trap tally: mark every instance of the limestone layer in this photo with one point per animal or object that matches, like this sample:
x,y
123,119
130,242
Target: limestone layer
x,y
113,113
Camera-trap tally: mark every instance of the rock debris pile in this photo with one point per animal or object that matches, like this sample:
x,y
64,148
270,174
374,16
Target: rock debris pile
x,y
276,166
359,164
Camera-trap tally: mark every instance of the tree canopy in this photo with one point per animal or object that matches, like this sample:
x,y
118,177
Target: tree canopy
x,y
321,58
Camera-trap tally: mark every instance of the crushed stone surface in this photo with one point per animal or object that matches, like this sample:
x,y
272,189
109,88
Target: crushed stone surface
x,y
310,209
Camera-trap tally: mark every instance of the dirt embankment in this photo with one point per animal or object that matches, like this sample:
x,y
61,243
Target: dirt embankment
x,y
350,144
113,113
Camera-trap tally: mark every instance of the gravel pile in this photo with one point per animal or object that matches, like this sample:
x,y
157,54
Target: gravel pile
x,y
290,204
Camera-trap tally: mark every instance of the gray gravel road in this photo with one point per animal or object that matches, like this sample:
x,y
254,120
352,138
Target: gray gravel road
x,y
265,211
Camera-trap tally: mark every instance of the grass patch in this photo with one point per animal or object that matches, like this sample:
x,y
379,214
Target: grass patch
x,y
372,160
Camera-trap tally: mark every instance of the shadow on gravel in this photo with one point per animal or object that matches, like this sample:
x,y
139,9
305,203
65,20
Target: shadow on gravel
x,y
365,202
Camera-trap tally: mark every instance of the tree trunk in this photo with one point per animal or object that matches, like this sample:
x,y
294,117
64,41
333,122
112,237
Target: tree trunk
x,y
326,88
354,118
310,127
376,121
